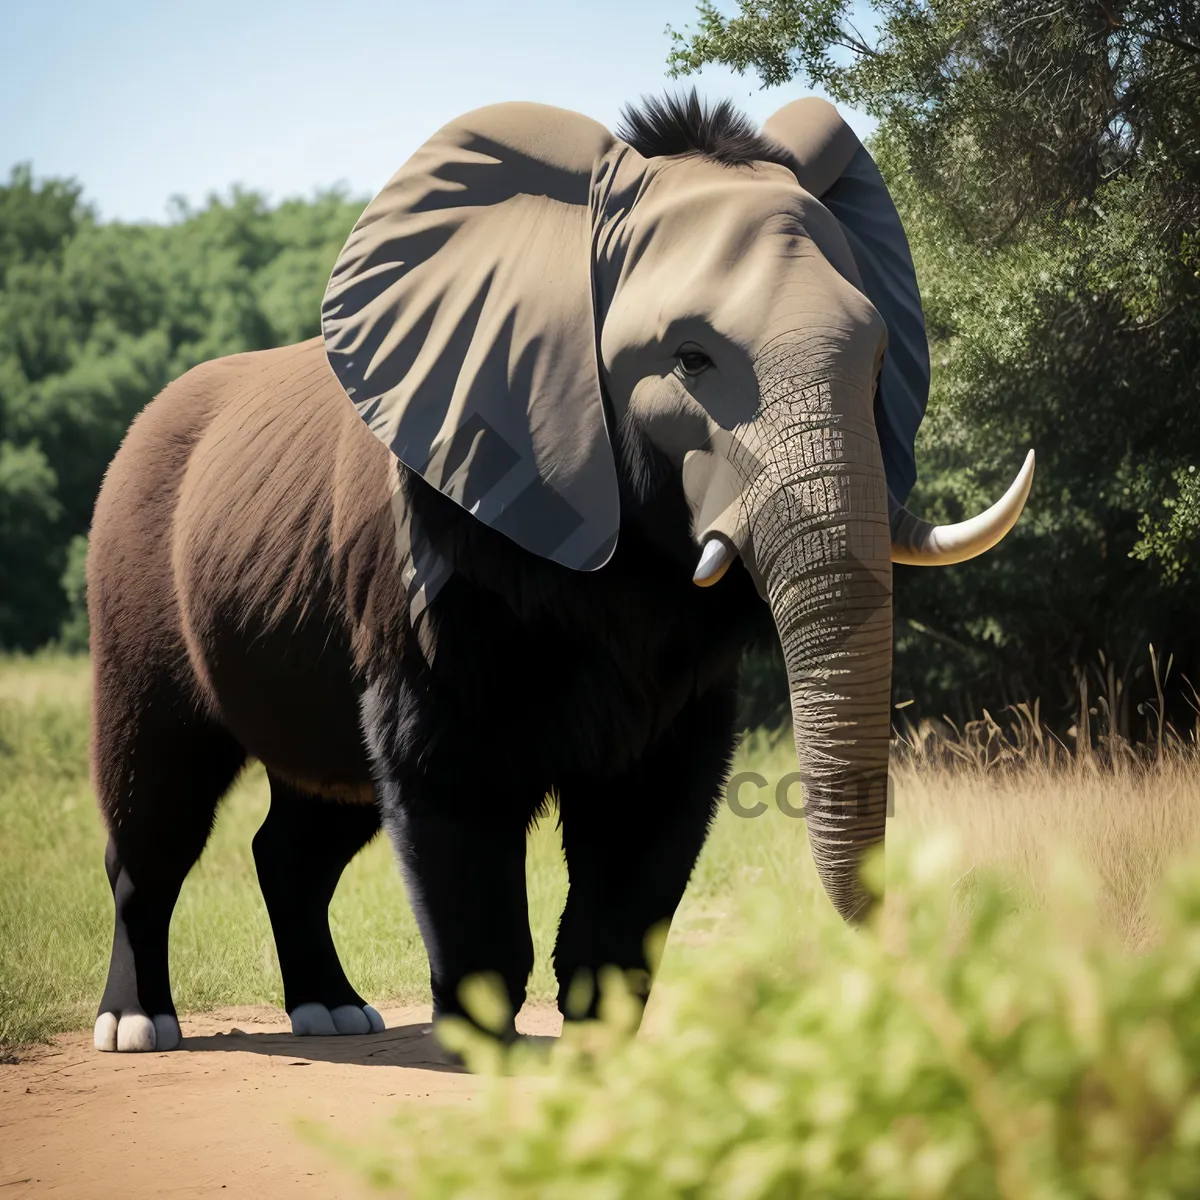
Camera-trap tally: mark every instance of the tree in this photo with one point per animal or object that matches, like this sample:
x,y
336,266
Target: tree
x,y
95,319
1046,161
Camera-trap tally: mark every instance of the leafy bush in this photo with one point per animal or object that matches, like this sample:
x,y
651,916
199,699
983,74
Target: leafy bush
x,y
962,1047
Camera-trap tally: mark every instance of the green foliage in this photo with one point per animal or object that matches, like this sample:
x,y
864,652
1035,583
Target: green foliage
x,y
1046,165
95,319
954,1050
36,222
1172,535
74,634
777,39
29,508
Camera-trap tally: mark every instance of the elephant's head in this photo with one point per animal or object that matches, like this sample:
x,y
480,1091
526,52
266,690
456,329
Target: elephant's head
x,y
528,282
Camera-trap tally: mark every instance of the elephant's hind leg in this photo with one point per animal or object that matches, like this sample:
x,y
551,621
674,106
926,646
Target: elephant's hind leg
x,y
300,852
160,774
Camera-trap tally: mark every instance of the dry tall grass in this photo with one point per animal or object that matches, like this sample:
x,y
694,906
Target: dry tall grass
x,y
1019,799
1125,826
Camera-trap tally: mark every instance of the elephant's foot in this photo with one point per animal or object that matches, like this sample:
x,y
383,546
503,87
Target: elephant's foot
x,y
315,1020
134,1032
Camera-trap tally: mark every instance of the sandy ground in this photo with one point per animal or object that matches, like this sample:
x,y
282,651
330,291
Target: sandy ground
x,y
216,1117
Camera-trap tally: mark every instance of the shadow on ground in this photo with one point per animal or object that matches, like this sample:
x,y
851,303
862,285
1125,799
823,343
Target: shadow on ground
x,y
405,1046
411,1045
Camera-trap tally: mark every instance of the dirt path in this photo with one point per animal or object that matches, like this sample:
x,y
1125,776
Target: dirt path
x,y
217,1117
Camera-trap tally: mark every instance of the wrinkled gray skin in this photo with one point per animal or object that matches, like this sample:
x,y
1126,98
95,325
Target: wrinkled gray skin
x,y
779,451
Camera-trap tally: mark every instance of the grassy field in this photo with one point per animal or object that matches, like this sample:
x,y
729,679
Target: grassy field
x,y
55,908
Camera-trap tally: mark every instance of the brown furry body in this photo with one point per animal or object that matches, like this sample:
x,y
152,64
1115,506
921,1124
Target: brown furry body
x,y
242,563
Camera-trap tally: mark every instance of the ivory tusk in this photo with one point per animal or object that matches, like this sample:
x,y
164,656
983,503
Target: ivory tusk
x,y
714,562
918,543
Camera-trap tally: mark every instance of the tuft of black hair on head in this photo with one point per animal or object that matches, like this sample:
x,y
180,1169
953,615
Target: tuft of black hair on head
x,y
673,125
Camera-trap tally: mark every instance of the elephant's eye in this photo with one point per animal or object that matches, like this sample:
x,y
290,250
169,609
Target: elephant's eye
x,y
692,361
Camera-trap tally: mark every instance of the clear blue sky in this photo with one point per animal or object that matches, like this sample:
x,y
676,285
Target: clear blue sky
x,y
143,99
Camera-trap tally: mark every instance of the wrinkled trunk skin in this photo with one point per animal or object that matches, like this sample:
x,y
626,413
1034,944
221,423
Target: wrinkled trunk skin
x,y
820,542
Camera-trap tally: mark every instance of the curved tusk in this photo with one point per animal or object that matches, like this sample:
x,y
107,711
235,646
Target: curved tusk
x,y
917,543
714,562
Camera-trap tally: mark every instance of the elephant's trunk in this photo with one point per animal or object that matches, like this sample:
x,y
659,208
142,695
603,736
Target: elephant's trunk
x,y
821,546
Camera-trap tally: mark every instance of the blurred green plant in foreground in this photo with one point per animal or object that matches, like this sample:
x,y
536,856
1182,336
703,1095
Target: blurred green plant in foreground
x,y
956,1049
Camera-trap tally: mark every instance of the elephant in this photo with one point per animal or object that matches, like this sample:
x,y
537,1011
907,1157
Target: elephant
x,y
588,414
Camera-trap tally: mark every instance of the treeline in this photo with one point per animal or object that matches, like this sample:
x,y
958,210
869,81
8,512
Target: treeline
x,y
1046,162
95,318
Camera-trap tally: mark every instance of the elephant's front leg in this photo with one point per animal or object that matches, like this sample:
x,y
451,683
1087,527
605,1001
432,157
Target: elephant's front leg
x,y
465,874
631,842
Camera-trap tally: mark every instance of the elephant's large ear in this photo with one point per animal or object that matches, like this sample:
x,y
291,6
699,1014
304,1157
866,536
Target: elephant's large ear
x,y
833,165
459,320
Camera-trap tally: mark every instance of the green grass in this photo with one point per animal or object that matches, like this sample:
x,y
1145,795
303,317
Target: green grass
x,y
56,911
